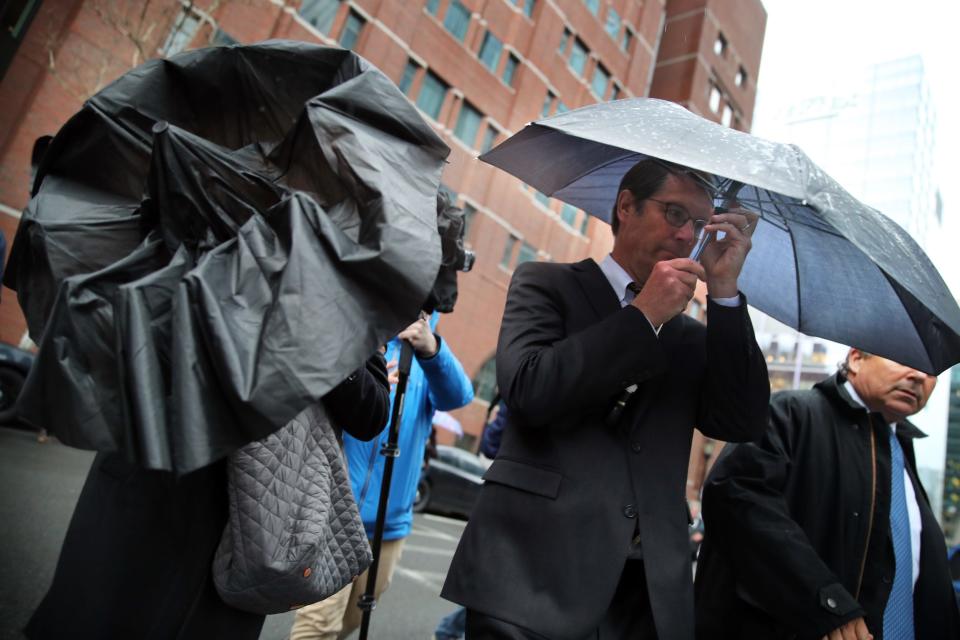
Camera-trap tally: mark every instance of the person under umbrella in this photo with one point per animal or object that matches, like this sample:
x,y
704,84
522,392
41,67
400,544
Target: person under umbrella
x,y
580,529
437,381
821,529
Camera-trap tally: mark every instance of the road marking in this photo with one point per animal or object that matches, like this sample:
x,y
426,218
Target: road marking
x,y
430,579
430,550
428,532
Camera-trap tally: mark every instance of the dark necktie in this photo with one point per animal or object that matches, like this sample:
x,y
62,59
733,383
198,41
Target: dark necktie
x,y
898,614
633,290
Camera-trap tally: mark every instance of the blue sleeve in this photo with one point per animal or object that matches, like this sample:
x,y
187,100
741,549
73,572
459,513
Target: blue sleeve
x,y
448,387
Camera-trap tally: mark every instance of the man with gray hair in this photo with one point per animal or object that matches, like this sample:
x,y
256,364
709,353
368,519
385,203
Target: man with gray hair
x,y
822,529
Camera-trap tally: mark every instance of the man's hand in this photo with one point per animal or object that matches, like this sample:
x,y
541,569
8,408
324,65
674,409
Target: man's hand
x,y
393,373
421,338
723,259
669,288
853,630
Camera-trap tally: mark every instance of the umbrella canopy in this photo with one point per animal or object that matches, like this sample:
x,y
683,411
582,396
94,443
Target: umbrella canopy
x,y
822,262
216,241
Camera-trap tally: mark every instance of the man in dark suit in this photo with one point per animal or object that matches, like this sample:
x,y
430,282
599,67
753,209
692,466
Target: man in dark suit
x,y
821,529
581,527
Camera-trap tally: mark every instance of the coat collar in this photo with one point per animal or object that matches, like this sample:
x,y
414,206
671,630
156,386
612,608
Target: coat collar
x,y
604,300
596,287
833,388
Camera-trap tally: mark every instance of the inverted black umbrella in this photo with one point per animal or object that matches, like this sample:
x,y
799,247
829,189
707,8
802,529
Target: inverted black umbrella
x,y
822,262
217,240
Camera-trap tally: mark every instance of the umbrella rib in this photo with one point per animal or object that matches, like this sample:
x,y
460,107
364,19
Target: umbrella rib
x,y
796,271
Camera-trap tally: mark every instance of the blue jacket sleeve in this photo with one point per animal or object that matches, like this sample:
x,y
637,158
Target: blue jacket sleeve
x,y
448,387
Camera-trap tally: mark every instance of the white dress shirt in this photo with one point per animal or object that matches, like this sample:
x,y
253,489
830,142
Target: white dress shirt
x,y
913,509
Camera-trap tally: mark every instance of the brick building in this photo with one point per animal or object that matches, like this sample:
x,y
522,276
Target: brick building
x,y
478,70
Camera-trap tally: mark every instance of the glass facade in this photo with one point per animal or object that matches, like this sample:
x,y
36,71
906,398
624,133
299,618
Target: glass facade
x,y
432,93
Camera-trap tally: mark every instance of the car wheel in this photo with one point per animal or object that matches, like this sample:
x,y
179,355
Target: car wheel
x,y
11,382
422,499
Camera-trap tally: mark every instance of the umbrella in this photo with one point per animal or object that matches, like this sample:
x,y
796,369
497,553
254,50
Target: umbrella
x,y
822,262
217,240
446,421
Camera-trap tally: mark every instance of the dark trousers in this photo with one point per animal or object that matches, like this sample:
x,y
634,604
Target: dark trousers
x,y
628,615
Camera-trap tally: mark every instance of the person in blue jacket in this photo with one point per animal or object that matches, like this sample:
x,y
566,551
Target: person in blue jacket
x,y
437,382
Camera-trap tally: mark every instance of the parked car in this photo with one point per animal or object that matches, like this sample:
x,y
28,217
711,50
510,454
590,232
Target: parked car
x,y
14,365
451,484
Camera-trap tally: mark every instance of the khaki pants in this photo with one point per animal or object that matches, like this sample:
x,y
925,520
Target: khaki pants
x,y
339,614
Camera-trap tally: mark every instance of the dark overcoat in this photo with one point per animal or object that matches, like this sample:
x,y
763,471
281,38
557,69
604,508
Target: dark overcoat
x,y
797,527
550,535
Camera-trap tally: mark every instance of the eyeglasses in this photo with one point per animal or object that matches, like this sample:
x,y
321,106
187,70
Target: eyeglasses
x,y
677,216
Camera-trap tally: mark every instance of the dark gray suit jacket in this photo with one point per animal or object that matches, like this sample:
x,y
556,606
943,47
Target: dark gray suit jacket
x,y
550,534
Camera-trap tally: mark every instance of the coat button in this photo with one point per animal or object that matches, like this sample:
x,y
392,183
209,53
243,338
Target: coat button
x,y
831,603
635,446
630,511
886,580
856,514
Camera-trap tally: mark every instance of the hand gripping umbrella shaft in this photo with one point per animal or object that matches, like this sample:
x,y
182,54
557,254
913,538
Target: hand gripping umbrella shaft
x,y
390,451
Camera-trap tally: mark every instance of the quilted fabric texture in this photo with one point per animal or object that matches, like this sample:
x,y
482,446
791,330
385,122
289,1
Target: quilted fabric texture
x,y
294,534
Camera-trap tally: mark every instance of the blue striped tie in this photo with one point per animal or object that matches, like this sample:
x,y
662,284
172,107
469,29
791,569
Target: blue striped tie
x,y
898,615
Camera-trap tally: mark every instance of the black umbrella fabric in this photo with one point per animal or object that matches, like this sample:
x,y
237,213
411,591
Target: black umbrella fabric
x,y
216,241
822,262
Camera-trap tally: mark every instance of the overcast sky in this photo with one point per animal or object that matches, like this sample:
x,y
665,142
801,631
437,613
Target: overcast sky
x,y
812,45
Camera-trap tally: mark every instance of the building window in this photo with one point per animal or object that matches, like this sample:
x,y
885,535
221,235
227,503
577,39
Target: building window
x,y
593,6
468,124
485,382
542,198
564,41
223,39
320,13
626,39
490,51
601,77
720,45
526,6
184,29
578,57
507,258
547,104
727,118
409,73
351,30
584,223
615,92
527,253
714,98
562,108
613,23
510,68
741,78
469,214
457,20
433,6
489,138
432,93
568,213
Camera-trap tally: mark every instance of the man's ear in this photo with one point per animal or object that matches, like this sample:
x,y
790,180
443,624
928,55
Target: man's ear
x,y
854,359
625,201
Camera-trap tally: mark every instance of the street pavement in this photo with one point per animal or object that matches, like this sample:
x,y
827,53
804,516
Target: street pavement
x,y
40,484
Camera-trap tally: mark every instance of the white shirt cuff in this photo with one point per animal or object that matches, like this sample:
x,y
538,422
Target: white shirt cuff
x,y
728,302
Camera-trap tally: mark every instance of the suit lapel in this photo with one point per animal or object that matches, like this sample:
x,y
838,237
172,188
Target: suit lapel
x,y
596,288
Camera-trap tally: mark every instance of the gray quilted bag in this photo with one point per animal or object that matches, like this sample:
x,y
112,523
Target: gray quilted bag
x,y
294,534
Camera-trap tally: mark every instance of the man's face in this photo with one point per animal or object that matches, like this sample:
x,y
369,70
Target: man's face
x,y
888,387
645,237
